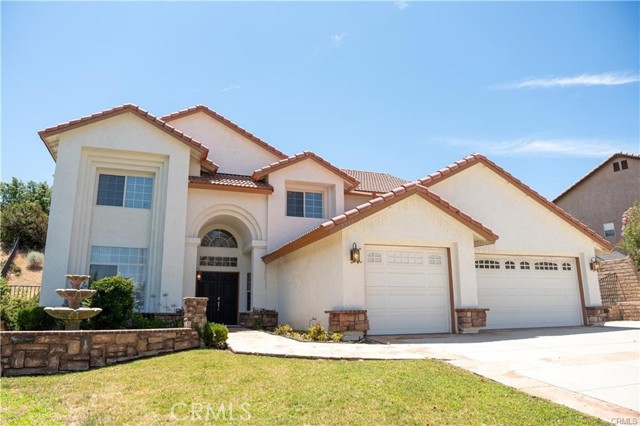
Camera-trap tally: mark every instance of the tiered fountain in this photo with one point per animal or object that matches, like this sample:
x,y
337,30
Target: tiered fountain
x,y
74,314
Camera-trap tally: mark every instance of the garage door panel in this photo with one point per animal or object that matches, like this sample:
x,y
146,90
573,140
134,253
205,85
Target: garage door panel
x,y
529,297
405,292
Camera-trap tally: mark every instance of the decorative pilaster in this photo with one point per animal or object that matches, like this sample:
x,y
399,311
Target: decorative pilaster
x,y
353,323
195,312
597,315
471,320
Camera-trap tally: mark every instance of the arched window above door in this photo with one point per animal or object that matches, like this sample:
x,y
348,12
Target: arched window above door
x,y
219,238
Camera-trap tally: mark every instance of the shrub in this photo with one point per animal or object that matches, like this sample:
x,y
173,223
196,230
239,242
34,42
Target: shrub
x,y
337,337
206,334
11,306
283,330
27,221
317,333
631,233
139,321
220,335
35,318
115,296
35,260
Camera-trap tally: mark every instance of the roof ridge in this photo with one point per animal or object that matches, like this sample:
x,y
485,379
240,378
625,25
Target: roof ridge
x,y
224,120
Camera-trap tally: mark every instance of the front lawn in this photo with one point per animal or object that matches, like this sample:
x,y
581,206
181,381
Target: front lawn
x,y
239,389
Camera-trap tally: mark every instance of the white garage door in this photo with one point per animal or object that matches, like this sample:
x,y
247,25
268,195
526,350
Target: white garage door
x,y
528,291
407,290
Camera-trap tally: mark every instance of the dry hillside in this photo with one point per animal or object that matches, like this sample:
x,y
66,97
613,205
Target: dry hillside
x,y
27,276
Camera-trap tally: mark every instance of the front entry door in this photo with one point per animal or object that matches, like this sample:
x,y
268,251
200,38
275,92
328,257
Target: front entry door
x,y
222,290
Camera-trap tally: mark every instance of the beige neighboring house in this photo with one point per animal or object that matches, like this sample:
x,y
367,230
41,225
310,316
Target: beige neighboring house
x,y
601,197
190,204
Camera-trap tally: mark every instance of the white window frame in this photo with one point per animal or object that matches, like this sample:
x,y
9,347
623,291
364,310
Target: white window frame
x,y
325,191
126,177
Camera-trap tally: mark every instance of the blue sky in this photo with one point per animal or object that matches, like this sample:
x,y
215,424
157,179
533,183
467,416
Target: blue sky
x,y
547,90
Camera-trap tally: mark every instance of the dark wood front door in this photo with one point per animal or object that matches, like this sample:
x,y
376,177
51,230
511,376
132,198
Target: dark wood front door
x,y
222,290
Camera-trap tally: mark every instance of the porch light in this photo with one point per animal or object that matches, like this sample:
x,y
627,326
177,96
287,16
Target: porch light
x,y
594,264
198,275
355,254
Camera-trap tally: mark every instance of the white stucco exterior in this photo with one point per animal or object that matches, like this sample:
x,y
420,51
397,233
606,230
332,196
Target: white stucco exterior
x,y
307,280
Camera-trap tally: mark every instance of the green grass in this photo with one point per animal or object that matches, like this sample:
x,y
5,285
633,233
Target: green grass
x,y
278,391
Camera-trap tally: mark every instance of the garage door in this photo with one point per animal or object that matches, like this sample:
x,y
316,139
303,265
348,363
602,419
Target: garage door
x,y
407,290
528,291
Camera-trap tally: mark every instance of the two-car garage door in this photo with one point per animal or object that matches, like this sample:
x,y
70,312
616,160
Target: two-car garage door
x,y
407,290
527,291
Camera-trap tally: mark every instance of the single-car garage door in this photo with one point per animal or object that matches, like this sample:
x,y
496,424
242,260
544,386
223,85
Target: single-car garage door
x,y
407,290
527,291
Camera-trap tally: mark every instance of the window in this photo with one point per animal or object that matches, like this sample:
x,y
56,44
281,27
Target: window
x,y
609,230
219,261
304,204
374,257
435,259
524,265
546,266
624,165
566,266
219,238
404,257
616,167
123,261
487,264
125,191
509,265
248,291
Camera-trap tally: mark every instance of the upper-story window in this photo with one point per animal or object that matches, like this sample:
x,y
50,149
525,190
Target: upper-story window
x,y
622,165
219,238
609,230
125,191
305,204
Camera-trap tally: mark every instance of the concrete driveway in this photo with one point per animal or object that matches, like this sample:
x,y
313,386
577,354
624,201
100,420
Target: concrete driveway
x,y
595,370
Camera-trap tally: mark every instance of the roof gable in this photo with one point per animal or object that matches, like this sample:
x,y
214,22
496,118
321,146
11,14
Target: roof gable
x,y
474,159
374,182
306,155
47,134
485,235
230,124
598,167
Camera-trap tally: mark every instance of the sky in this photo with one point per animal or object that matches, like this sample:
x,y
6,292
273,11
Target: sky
x,y
547,90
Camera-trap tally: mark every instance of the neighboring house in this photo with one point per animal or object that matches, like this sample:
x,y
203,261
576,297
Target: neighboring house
x,y
191,204
601,197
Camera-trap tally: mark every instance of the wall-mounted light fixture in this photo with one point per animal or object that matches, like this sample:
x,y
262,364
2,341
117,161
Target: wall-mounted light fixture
x,y
594,263
198,274
355,254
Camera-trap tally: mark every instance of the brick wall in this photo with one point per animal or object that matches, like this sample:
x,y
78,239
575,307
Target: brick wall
x,y
620,289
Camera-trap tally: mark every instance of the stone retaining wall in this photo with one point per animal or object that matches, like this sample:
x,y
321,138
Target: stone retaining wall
x,y
259,318
597,315
620,289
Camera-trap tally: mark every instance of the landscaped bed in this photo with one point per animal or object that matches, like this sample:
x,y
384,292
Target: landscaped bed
x,y
239,389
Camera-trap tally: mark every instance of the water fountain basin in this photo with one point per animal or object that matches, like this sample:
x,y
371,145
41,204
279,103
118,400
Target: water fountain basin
x,y
73,314
71,293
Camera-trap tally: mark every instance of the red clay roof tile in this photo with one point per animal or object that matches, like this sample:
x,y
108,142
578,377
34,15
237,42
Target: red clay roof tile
x,y
374,182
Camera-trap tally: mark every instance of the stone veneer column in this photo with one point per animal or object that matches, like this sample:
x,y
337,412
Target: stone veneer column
x,y
597,315
195,312
471,320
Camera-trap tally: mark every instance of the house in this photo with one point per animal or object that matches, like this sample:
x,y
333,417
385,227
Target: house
x,y
191,204
600,198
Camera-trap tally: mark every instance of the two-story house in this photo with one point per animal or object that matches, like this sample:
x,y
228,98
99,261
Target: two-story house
x,y
190,204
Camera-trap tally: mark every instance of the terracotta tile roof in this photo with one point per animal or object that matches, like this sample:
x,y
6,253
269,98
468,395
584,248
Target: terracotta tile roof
x,y
469,161
230,124
375,205
260,173
374,182
129,108
229,182
617,154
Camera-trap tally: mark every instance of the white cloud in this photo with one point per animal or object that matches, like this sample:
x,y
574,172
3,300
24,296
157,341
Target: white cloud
x,y
605,79
229,88
401,4
534,146
338,39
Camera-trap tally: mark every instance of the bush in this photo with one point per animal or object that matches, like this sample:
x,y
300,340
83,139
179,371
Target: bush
x,y
631,233
35,318
11,306
139,321
220,335
337,337
115,296
317,333
283,330
35,260
27,221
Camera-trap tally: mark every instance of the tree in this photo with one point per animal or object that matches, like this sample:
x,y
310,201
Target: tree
x,y
24,220
17,192
631,233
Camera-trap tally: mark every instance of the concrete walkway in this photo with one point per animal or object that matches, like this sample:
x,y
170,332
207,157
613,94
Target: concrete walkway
x,y
595,370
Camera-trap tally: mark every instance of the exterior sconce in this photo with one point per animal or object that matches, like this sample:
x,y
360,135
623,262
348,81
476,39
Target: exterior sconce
x,y
198,275
355,254
594,264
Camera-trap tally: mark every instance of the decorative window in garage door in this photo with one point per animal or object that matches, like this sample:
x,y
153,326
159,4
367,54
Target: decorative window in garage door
x,y
509,265
487,264
566,266
405,257
525,265
374,257
435,259
546,266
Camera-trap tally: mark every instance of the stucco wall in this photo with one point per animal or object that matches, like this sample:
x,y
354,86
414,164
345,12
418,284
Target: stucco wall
x,y
231,151
320,276
351,201
524,226
604,196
